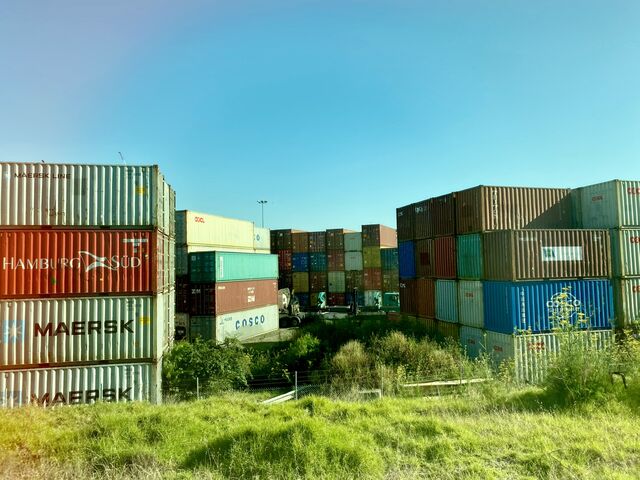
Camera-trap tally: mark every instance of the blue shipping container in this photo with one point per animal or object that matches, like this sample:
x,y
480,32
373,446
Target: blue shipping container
x,y
300,262
349,298
513,306
303,299
318,262
406,259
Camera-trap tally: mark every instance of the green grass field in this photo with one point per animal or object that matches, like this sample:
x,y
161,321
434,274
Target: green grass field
x,y
506,435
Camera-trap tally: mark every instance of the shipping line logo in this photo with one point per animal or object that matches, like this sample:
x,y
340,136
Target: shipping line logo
x,y
85,260
12,332
563,306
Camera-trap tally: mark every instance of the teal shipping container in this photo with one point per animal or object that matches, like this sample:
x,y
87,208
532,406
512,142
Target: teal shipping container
x,y
447,301
469,256
472,341
612,204
208,267
626,293
389,258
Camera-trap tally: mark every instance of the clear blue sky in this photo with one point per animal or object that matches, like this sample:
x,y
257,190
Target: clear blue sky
x,y
336,112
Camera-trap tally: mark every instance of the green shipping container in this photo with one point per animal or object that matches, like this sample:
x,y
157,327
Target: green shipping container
x,y
209,267
469,256
371,257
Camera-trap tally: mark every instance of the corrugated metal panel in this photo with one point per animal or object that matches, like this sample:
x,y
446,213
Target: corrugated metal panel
x,y
261,239
353,261
221,298
182,294
378,236
335,260
372,279
425,258
472,341
512,306
391,299
612,204
300,262
83,262
470,303
80,385
408,303
443,218
372,298
389,258
407,259
318,262
625,252
318,281
538,254
445,256
425,297
354,279
317,242
37,332
231,267
430,324
447,300
336,282
390,280
627,301
336,299
448,330
371,257
422,220
241,325
84,196
285,261
485,208
405,223
348,298
353,242
202,229
300,242
301,282
469,256
335,238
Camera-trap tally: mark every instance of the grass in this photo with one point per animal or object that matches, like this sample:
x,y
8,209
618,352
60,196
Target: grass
x,y
506,435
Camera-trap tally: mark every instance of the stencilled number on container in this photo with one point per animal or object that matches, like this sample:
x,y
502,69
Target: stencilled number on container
x,y
199,219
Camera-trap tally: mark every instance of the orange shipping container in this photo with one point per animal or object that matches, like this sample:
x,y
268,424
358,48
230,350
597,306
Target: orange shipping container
x,y
425,292
425,260
445,257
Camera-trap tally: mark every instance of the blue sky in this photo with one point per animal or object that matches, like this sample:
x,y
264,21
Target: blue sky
x,y
335,112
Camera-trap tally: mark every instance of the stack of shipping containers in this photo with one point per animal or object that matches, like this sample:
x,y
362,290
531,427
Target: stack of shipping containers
x,y
353,268
378,242
336,276
86,282
300,267
318,266
200,232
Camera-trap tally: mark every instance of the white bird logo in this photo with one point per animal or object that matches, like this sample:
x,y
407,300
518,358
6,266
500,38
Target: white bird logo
x,y
100,262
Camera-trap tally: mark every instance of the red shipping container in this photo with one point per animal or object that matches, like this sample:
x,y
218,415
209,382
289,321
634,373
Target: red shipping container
x,y
425,295
373,279
317,242
335,260
443,215
285,261
336,299
425,260
318,281
408,303
63,263
228,297
445,257
300,242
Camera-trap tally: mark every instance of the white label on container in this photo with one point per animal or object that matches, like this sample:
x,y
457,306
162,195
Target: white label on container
x,y
561,254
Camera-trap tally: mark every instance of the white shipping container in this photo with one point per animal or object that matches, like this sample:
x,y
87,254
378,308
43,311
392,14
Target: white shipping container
x,y
472,341
81,385
353,261
470,303
247,324
626,294
261,240
66,195
353,242
73,330
610,204
220,233
625,252
372,298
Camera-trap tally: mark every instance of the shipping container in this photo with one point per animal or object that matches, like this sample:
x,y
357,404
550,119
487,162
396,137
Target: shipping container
x,y
445,257
300,242
408,303
182,327
391,299
546,254
627,301
336,282
390,280
372,279
285,260
472,341
389,259
300,262
274,241
405,223
285,280
220,298
354,279
318,281
422,220
442,215
447,300
373,298
241,325
317,242
204,230
469,263
448,330
211,267
182,294
378,236
335,238
537,306
425,297
284,239
483,208
47,332
318,299
353,261
301,282
183,251
336,299
371,257
470,303
425,259
261,241
531,354
353,242
303,299
335,260
625,252
407,260
318,262
63,263
80,385
612,204
85,196
430,325
348,298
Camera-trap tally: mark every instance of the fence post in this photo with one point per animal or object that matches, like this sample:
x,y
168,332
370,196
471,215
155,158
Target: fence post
x,y
382,382
296,385
198,388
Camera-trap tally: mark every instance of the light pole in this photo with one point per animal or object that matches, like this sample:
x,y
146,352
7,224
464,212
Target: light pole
x,y
262,202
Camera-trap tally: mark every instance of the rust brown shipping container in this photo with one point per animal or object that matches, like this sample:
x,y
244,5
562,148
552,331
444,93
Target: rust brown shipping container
x,y
408,304
182,293
354,279
335,238
300,241
390,280
443,215
62,263
318,281
336,299
335,260
378,236
372,279
227,297
405,223
317,242
285,260
425,259
445,257
546,254
425,297
274,241
423,226
284,240
485,208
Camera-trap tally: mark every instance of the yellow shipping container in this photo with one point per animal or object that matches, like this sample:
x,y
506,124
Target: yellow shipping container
x,y
301,282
